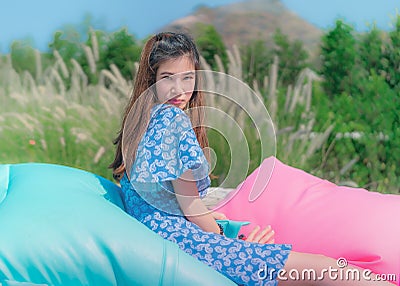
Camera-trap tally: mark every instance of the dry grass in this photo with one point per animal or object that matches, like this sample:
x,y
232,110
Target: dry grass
x,y
42,120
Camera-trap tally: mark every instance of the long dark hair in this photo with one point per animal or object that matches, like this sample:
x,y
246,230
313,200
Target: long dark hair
x,y
158,49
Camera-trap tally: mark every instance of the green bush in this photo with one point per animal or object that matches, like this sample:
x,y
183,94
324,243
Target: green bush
x,y
61,108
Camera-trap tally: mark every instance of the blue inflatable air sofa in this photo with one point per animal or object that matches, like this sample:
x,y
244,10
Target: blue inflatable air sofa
x,y
64,226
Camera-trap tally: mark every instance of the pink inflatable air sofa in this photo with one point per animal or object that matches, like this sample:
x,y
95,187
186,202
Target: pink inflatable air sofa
x,y
317,216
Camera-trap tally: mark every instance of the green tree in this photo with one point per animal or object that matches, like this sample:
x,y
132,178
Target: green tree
x,y
123,50
210,43
339,54
119,48
68,45
292,57
256,60
374,115
371,50
99,51
23,57
392,56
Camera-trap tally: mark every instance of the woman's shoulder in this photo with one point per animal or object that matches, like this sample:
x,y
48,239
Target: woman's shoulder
x,y
167,110
169,115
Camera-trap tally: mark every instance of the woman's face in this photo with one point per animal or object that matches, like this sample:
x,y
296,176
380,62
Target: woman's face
x,y
175,81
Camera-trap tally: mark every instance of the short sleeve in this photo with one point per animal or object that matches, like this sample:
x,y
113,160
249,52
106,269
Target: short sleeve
x,y
168,149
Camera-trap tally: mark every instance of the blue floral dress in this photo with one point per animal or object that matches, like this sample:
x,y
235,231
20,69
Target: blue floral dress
x,y
169,148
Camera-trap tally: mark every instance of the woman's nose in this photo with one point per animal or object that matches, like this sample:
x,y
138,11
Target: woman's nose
x,y
177,88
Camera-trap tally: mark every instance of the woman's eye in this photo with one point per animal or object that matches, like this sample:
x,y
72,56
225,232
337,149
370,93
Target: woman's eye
x,y
188,78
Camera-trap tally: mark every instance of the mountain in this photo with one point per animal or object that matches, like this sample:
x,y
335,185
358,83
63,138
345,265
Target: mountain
x,y
239,23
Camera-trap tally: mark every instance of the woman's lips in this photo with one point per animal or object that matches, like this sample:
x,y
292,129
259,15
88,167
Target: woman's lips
x,y
175,101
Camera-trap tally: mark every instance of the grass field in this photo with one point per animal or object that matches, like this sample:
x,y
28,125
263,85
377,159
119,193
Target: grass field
x,y
43,120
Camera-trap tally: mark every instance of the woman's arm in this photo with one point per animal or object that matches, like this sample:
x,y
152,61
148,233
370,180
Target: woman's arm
x,y
195,211
192,206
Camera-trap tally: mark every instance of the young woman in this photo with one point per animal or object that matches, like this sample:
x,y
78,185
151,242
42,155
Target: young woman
x,y
164,173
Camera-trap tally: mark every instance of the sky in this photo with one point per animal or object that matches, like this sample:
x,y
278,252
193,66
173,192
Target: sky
x,y
38,20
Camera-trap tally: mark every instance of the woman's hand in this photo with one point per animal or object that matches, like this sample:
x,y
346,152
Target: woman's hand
x,y
218,215
265,236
